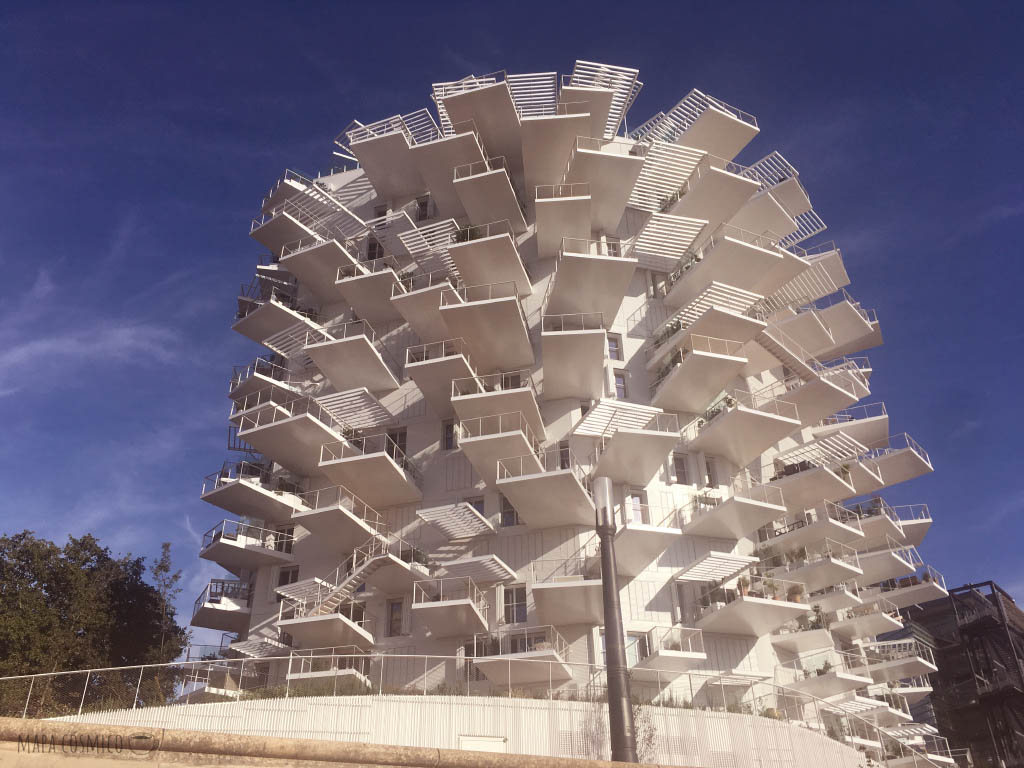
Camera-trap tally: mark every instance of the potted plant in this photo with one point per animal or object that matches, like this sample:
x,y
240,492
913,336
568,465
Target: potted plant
x,y
825,668
795,593
744,584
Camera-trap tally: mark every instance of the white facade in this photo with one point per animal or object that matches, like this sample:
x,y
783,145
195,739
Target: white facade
x,y
507,310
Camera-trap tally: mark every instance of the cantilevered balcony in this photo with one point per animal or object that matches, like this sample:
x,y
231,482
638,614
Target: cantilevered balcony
x,y
874,617
822,674
822,564
236,546
367,286
827,520
851,327
487,101
568,591
742,507
486,439
764,213
487,254
808,632
740,426
548,139
899,458
418,300
338,517
437,159
252,490
384,151
290,431
374,468
807,481
497,393
718,311
923,585
897,659
548,489
434,367
642,534
262,373
487,194
224,605
703,122
696,370
285,223
573,348
915,521
265,309
491,321
837,596
734,257
591,276
666,653
562,210
715,191
611,168
450,607
865,714
346,666
289,185
346,623
633,446
608,90
880,523
753,605
892,562
315,262
351,356
913,689
867,423
522,656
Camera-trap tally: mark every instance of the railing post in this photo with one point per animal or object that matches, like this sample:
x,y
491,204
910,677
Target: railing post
x,y
28,698
84,689
138,686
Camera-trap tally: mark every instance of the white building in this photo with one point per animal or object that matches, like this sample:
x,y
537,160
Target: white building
x,y
509,308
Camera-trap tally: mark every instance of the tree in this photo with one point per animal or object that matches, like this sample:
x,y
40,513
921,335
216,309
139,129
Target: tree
x,y
80,607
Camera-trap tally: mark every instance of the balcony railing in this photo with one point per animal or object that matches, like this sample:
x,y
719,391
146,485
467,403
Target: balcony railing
x,y
494,382
555,191
509,640
220,589
449,588
355,612
844,589
266,368
756,401
368,267
553,459
485,292
421,281
749,584
879,606
481,231
783,469
799,557
573,321
287,406
894,650
741,486
481,166
695,256
694,342
926,574
367,445
632,512
868,315
857,412
340,496
334,659
249,535
587,247
830,511
232,472
896,443
675,638
608,147
876,507
816,665
437,350
499,424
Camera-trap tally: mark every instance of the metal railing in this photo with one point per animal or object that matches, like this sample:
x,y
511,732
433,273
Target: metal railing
x,y
555,191
693,257
816,665
494,382
481,231
878,605
481,166
512,640
581,566
320,661
740,486
675,638
633,512
849,589
896,443
485,292
420,281
926,574
554,459
694,342
857,412
756,401
449,588
573,321
498,424
340,496
368,267
608,147
893,650
367,445
220,589
586,247
264,367
287,406
437,350
800,557
248,535
830,511
231,472
748,584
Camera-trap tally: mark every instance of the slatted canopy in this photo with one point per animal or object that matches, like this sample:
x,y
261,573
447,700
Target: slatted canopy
x,y
832,449
716,566
456,521
607,416
357,408
484,569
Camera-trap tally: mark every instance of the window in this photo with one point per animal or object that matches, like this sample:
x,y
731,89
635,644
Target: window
x,y
477,503
515,604
584,407
636,648
284,539
509,516
614,346
448,435
398,439
511,380
658,287
680,464
620,386
564,456
635,506
374,250
709,472
394,609
380,210
422,208
286,576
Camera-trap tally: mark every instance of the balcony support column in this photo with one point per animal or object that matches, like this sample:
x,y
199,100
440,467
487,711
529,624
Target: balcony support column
x,y
620,709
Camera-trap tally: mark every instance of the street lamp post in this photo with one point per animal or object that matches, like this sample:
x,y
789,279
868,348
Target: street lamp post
x,y
620,710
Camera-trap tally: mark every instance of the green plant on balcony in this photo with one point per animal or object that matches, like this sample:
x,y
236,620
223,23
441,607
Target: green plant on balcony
x,y
795,593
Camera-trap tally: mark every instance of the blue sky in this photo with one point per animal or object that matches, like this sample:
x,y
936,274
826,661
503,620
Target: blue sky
x,y
137,141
